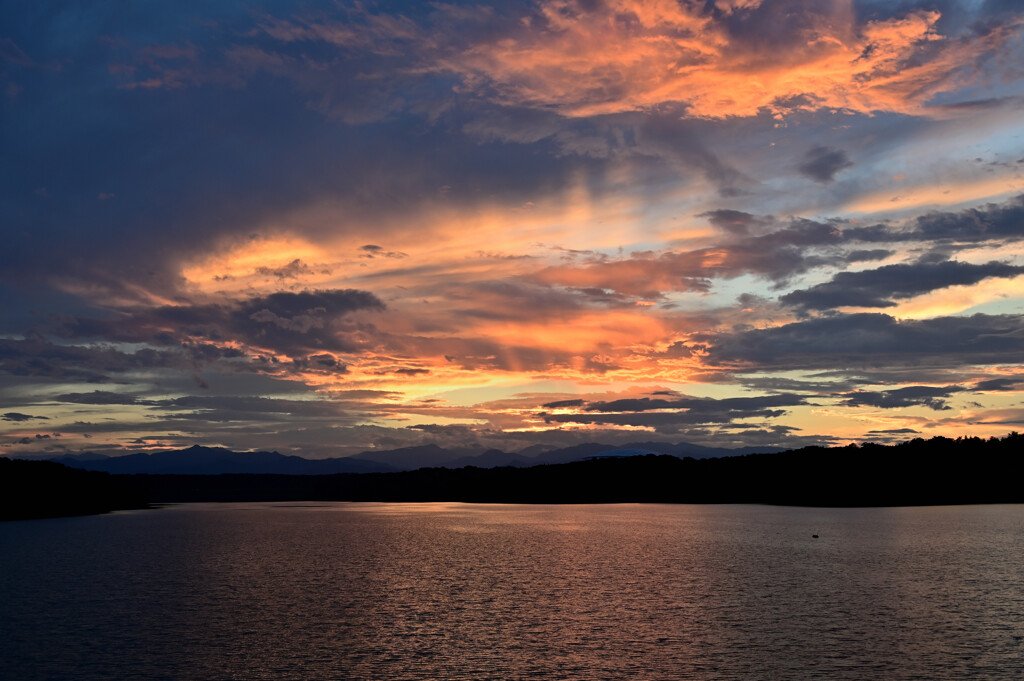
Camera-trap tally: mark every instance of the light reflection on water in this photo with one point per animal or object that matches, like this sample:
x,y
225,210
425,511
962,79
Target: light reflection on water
x,y
460,591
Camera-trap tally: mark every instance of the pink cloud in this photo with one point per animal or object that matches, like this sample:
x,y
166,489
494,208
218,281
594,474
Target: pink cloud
x,y
633,55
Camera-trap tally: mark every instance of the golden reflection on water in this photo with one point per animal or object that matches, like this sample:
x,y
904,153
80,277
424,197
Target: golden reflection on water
x,y
470,591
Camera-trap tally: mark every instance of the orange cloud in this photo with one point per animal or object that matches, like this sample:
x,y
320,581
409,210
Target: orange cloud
x,y
934,194
273,257
632,55
955,299
639,276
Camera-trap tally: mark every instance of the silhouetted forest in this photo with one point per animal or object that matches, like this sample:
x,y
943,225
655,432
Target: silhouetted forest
x,y
918,472
43,489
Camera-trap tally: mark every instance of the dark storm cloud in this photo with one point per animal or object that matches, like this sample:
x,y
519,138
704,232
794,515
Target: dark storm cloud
x,y
989,222
914,395
788,248
659,143
322,363
247,408
737,222
883,286
768,235
450,428
871,339
852,378
698,404
998,384
669,416
293,270
777,383
401,371
18,417
279,316
661,422
36,438
297,324
822,163
209,413
375,251
280,103
411,371
34,357
560,404
868,255
719,435
99,397
40,358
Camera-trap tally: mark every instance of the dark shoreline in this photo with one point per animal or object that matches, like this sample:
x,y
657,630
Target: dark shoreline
x,y
916,473
44,489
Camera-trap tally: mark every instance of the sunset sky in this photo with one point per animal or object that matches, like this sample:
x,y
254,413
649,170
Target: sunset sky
x,y
329,227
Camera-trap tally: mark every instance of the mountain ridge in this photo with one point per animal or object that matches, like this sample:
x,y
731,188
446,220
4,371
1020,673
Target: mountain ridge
x,y
199,460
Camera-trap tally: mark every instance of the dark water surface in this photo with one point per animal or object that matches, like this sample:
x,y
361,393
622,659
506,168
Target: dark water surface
x,y
460,591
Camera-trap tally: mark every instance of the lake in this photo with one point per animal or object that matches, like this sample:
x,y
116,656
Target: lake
x,y
465,591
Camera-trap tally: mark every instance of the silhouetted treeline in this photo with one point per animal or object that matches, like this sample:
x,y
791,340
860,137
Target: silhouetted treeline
x,y
919,472
43,489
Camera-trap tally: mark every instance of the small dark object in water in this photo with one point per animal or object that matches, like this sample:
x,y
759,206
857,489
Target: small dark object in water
x,y
814,536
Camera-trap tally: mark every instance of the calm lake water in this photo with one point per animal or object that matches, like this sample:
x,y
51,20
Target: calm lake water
x,y
462,591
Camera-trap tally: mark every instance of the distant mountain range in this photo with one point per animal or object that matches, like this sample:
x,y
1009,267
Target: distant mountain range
x,y
914,473
198,460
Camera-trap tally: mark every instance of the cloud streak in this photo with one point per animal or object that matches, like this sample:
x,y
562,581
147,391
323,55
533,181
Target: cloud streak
x,y
881,287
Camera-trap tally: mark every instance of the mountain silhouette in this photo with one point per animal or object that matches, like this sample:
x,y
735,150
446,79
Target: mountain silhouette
x,y
411,458
198,460
914,473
